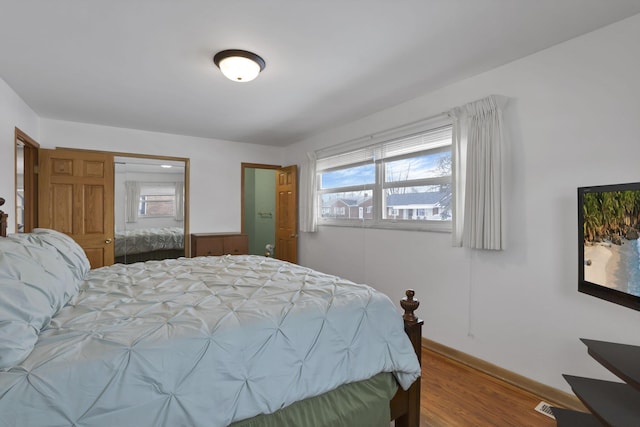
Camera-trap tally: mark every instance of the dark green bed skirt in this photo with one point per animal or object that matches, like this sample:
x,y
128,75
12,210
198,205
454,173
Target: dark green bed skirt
x,y
360,404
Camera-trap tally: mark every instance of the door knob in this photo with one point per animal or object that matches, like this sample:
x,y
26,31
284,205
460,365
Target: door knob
x,y
107,241
293,236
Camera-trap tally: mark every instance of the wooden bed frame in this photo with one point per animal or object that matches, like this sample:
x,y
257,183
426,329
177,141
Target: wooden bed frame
x,y
3,220
405,405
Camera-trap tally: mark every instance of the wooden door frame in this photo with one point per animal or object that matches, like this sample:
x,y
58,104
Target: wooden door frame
x,y
30,161
243,167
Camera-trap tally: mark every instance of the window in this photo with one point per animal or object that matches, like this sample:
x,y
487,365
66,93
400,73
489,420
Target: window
x,y
400,183
157,200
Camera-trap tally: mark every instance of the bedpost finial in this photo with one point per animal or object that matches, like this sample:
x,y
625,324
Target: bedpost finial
x,y
409,305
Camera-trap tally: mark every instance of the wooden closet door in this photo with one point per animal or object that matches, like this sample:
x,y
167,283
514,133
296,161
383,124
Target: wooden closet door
x,y
287,214
76,198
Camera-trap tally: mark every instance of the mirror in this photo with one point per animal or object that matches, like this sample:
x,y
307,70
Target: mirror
x,y
150,202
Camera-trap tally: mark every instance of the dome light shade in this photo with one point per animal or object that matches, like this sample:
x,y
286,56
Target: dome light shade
x,y
239,65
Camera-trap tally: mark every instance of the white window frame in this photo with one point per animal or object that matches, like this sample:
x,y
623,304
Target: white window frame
x,y
378,187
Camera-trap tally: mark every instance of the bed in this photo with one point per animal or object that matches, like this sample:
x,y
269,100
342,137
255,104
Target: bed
x,y
245,340
148,244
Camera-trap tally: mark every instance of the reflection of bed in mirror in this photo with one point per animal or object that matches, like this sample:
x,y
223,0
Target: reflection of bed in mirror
x,y
148,244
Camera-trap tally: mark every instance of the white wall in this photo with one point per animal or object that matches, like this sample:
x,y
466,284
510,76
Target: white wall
x,y
215,165
573,120
13,113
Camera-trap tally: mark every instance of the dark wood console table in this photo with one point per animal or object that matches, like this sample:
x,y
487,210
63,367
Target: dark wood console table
x,y
610,403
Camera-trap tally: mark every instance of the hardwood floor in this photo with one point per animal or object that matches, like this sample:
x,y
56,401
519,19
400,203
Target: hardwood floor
x,y
454,394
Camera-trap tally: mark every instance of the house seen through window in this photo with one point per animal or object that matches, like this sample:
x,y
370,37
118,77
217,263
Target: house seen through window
x,y
401,183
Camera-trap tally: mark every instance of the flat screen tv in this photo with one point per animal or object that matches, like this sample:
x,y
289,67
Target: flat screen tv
x,y
608,244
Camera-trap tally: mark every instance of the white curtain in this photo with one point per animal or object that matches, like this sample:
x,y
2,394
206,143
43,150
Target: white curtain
x,y
132,200
179,200
309,205
477,157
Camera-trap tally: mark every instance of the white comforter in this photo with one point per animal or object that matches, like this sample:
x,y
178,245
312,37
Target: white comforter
x,y
202,341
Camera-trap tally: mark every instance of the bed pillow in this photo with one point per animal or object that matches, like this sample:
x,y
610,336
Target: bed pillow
x,y
70,251
35,283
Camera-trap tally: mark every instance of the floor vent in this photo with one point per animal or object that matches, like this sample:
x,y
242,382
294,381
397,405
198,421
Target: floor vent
x,y
545,408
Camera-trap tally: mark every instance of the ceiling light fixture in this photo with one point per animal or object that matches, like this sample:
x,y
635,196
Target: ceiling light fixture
x,y
239,65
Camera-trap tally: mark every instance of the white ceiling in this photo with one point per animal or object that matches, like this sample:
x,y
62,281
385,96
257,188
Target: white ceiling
x,y
147,64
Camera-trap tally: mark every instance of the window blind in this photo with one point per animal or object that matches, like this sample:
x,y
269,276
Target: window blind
x,y
422,141
361,155
158,189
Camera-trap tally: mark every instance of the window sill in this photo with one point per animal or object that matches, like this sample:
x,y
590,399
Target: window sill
x,y
397,226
